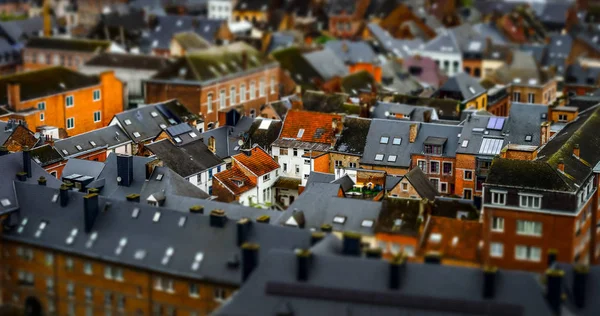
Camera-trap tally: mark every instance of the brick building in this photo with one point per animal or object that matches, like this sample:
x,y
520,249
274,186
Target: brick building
x,y
60,97
211,82
43,52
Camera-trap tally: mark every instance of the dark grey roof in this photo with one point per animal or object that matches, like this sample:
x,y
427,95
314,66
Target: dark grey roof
x,y
176,230
18,30
453,40
353,136
187,160
128,61
396,128
421,184
476,138
538,51
107,180
83,167
319,177
183,134
391,181
401,48
172,185
227,137
352,52
11,165
46,155
263,134
280,40
591,290
5,132
417,113
557,52
576,74
524,121
464,84
106,137
169,25
327,64
345,183
489,30
320,205
343,285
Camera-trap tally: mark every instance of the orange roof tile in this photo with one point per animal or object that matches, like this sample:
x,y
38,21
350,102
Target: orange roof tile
x,y
317,126
459,238
229,178
259,161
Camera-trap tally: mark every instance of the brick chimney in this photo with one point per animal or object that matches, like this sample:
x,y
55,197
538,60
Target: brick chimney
x,y
351,244
576,150
303,257
544,133
561,165
397,266
14,95
580,280
413,132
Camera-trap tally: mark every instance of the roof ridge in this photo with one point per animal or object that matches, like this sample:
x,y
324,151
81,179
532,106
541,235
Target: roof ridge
x,y
575,135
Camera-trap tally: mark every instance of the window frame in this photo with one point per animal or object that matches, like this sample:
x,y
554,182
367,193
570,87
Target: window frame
x,y
72,99
94,95
496,254
525,197
71,119
497,228
525,231
99,116
465,175
498,197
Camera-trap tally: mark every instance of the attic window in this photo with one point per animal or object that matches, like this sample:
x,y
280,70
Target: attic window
x,y
392,158
177,140
92,143
64,151
92,239
41,228
135,213
465,143
79,148
379,157
122,244
139,254
156,217
182,220
168,255
127,122
159,177
528,138
397,141
72,236
136,134
435,238
153,114
384,140
367,223
192,135
339,219
155,43
163,126
544,115
300,133
5,202
197,260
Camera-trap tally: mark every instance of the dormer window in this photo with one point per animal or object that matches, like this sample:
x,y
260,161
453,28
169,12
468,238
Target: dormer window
x,y
527,200
432,149
434,145
498,197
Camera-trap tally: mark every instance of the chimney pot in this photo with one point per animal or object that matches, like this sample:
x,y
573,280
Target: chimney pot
x,y
433,257
3,151
42,180
218,218
90,209
579,284
397,266
576,150
554,279
27,161
22,176
303,257
373,253
197,209
125,169
243,227
552,253
351,244
263,219
64,195
133,197
249,259
326,228
489,281
315,237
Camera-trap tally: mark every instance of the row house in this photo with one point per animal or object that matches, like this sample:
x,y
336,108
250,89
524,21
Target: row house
x,y
349,146
212,82
62,98
304,141
250,179
105,265
95,145
526,202
43,52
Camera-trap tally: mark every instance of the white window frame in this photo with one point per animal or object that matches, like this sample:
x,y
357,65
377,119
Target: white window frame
x,y
209,101
252,90
531,97
496,250
529,232
465,173
524,197
451,168
516,97
439,164
426,171
72,98
446,190
528,253
222,99
468,189
243,92
499,228
498,197
273,83
402,185
94,95
72,119
99,116
232,95
261,87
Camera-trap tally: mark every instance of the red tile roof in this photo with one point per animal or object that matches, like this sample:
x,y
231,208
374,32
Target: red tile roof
x,y
259,161
228,177
317,126
459,238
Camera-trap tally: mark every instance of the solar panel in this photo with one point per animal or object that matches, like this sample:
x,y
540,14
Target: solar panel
x,y
491,146
499,124
492,122
496,123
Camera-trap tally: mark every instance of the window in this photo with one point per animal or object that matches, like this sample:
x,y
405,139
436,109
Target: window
x,y
529,228
283,152
295,152
70,289
42,117
41,106
467,194
96,95
384,140
352,165
434,167
232,96
435,238
273,85
70,123
284,167
338,163
528,253
219,293
50,285
222,99
242,92
530,200
447,168
69,264
392,158
422,165
267,177
496,250
498,198
297,169
465,143
531,98
516,97
261,87
468,175
120,301
432,149
497,224
562,118
97,116
69,101
87,268
379,157
404,186
118,274
209,102
435,182
49,259
89,294
252,90
397,141
444,187
108,272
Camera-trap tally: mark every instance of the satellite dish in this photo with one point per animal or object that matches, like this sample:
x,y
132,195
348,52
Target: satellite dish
x,y
37,135
240,142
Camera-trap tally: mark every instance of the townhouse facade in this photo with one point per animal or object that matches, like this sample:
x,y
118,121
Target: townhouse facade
x,y
62,98
43,52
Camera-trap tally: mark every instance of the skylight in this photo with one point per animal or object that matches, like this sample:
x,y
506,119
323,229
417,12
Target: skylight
x,y
379,157
55,198
22,226
177,139
122,244
339,219
168,255
5,202
300,133
491,146
139,254
435,238
172,121
127,122
153,114
528,138
397,141
92,143
72,236
182,220
135,213
472,90
91,240
197,260
159,177
465,143
41,228
384,140
193,135
79,148
367,223
264,124
163,126
496,123
136,134
156,217
64,151
392,158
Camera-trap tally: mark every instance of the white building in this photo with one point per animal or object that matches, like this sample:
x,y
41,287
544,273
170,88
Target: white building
x,y
220,10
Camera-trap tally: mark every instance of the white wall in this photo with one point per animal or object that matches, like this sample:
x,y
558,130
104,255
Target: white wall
x,y
291,162
220,10
203,179
442,57
132,78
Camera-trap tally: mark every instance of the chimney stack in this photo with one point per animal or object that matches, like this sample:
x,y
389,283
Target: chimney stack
x,y
552,253
351,244
413,132
303,257
198,209
124,170
249,259
433,257
90,210
544,132
397,266
3,151
217,218
22,176
315,237
243,228
133,197
27,161
263,219
580,284
64,195
14,95
326,228
576,150
42,181
373,253
554,278
489,282
561,165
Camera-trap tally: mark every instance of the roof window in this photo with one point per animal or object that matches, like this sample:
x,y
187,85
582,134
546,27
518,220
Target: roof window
x,y
384,140
156,217
92,143
193,135
79,147
163,126
91,240
177,140
135,213
153,114
368,223
300,133
41,228
72,236
128,122
465,143
122,244
397,141
168,255
197,260
182,220
22,225
64,151
339,219
140,254
5,202
159,177
379,157
136,134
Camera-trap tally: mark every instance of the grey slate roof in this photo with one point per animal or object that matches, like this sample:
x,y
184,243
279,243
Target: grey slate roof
x,y
399,48
83,167
473,134
488,30
106,137
342,285
227,137
352,52
421,184
391,181
319,177
186,160
584,76
320,205
263,136
557,52
107,180
464,84
353,136
397,128
525,119
173,186
128,61
168,25
386,110
218,245
345,183
280,40
46,155
11,165
327,64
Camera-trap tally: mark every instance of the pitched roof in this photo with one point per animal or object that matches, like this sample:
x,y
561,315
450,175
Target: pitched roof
x,y
44,82
102,138
320,177
577,74
311,127
263,135
191,41
187,160
257,161
353,137
235,180
168,25
523,70
460,239
421,184
351,52
467,86
477,139
526,174
326,64
46,155
399,216
227,137
358,81
415,113
128,61
293,61
251,5
320,101
77,45
524,123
